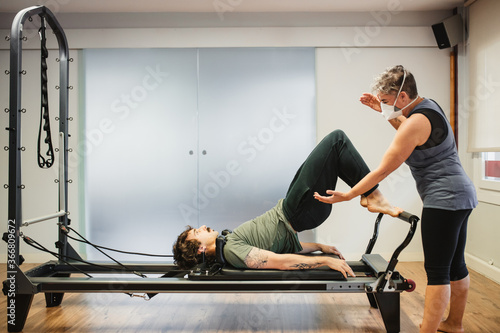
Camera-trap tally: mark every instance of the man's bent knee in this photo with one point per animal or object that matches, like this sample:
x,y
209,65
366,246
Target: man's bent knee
x,y
338,134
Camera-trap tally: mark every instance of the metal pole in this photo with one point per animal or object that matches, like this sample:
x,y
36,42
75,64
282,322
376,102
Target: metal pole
x,y
43,218
20,301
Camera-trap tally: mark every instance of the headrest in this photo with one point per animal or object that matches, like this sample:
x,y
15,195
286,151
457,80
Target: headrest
x,y
219,246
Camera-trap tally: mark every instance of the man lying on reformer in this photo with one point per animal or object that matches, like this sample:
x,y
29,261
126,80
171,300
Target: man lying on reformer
x,y
270,241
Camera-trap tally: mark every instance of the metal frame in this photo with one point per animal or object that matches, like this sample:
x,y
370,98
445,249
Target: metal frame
x,y
383,284
15,149
16,299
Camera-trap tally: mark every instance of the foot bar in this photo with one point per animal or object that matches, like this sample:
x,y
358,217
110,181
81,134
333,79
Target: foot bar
x,y
408,217
43,218
413,220
405,216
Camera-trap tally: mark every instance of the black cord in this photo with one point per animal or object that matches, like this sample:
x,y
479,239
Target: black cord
x,y
83,240
40,247
107,255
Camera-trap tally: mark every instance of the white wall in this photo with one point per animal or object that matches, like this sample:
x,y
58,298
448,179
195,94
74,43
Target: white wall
x,y
340,78
479,84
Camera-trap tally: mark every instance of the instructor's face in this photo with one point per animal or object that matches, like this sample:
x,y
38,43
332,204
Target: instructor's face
x,y
388,99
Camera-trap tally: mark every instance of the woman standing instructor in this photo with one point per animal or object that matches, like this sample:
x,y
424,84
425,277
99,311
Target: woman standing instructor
x,y
425,141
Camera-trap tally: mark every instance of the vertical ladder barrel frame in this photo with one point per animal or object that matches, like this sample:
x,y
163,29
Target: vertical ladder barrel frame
x,y
53,278
19,289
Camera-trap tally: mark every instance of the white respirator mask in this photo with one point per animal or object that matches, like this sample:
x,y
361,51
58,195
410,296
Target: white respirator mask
x,y
392,111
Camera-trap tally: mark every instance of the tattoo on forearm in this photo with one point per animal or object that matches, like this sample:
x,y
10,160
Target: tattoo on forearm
x,y
256,258
306,266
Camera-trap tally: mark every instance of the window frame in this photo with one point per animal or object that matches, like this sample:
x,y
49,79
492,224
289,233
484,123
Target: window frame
x,y
487,190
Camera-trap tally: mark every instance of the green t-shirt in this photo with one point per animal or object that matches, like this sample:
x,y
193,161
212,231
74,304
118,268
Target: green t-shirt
x,y
270,231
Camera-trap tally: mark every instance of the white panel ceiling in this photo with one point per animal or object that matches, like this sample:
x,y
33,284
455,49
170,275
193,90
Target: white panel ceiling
x,y
151,6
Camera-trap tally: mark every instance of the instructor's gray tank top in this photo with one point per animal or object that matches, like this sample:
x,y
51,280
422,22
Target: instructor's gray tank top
x,y
441,180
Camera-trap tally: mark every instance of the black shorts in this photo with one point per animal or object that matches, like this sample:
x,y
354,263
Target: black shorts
x,y
444,234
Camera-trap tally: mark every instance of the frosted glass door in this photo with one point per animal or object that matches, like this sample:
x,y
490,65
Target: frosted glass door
x,y
257,125
182,136
141,138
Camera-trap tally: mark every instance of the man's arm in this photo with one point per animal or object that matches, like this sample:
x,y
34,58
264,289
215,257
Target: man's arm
x,y
263,259
313,247
309,247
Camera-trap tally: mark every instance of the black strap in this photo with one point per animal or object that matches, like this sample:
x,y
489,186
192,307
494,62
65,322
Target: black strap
x,y
47,160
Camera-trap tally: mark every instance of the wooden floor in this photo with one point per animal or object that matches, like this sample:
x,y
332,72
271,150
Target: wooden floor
x,y
316,312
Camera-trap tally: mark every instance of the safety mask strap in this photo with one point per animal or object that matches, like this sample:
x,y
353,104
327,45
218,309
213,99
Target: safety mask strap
x,y
399,92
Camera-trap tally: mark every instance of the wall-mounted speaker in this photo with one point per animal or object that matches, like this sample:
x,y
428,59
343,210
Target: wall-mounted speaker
x,y
449,32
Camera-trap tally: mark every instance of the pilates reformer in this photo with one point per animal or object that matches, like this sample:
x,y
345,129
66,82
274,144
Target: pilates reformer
x,y
375,276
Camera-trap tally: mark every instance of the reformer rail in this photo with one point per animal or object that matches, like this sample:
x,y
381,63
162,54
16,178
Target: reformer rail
x,y
381,282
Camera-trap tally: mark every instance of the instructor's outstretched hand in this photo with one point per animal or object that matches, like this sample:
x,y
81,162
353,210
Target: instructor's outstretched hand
x,y
375,202
334,197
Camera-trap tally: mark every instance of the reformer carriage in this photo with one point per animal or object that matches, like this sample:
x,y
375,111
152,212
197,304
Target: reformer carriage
x,y
375,276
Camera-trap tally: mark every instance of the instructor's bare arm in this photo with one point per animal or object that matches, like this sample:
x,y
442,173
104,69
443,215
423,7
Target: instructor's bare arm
x,y
263,259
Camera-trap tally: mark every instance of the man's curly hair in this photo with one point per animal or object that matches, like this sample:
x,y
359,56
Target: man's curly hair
x,y
186,251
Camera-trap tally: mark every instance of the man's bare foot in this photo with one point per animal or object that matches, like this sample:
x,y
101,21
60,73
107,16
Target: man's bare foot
x,y
364,201
377,203
449,328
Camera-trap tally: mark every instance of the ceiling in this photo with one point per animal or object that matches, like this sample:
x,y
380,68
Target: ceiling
x,y
102,14
248,6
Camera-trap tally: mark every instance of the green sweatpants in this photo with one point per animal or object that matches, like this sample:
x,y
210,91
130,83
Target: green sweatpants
x,y
334,157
